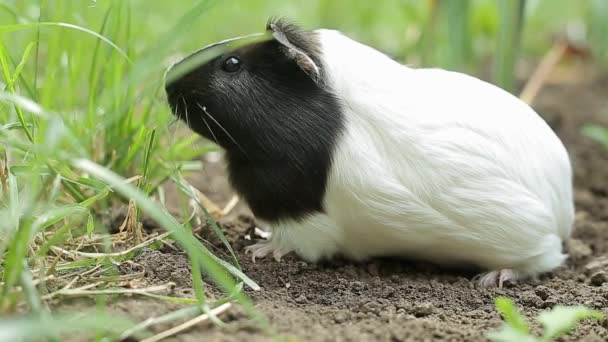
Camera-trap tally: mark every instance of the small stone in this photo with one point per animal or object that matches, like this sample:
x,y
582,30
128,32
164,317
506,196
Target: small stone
x,y
597,264
409,317
422,310
598,278
373,269
543,292
476,314
578,250
550,302
531,299
371,307
301,299
357,286
340,317
403,304
583,198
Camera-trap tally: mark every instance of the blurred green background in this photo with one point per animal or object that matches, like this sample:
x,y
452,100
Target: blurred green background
x,y
456,34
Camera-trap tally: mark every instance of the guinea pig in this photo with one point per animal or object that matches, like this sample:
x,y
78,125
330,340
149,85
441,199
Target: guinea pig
x,y
341,150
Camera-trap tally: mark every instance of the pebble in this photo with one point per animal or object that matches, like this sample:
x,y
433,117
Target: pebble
x,y
301,299
550,302
373,269
543,292
357,286
476,314
371,307
584,198
422,310
340,317
598,278
578,249
597,264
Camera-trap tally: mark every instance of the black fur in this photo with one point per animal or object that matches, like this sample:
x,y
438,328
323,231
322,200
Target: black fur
x,y
279,127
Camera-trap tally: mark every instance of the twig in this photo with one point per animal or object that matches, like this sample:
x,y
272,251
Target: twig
x,y
109,255
84,292
172,316
188,324
132,179
66,288
543,70
201,198
230,205
37,281
91,271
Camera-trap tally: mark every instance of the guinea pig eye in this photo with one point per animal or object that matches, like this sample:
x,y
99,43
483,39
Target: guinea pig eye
x,y
232,64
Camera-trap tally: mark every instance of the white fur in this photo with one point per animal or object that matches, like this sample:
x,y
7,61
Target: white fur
x,y
435,165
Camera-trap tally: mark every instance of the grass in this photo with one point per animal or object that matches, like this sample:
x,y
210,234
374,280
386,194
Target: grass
x,y
84,129
81,130
556,322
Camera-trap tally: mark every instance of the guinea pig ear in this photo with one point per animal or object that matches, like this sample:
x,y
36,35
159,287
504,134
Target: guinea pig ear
x,y
300,57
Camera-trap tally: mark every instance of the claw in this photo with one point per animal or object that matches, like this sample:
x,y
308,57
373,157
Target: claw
x,y
278,254
261,249
494,278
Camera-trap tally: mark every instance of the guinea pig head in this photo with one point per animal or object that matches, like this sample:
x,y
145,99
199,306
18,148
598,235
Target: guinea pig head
x,y
258,97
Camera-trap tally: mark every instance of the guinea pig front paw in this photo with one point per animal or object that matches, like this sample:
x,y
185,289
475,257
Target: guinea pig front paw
x,y
262,249
496,278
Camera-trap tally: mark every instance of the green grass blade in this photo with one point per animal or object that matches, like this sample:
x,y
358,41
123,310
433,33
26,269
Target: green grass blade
x,y
188,189
561,319
93,71
149,147
511,315
35,328
19,27
509,35
459,37
11,88
37,65
598,29
169,223
11,11
21,64
599,134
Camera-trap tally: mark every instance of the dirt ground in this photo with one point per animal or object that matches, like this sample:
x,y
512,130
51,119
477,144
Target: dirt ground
x,y
399,300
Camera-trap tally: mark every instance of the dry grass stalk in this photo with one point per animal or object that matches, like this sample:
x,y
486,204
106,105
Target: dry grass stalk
x,y
188,324
542,72
4,171
75,254
131,230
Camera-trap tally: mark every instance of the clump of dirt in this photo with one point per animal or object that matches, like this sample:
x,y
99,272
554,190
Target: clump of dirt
x,y
161,267
401,300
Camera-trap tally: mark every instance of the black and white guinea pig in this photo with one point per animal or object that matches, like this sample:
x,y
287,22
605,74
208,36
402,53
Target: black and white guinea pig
x,y
343,151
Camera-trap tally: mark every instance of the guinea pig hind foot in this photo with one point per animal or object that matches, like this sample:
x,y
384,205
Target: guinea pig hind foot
x,y
496,278
262,249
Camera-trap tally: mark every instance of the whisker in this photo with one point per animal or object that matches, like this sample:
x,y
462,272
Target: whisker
x,y
186,110
173,121
222,128
174,112
209,127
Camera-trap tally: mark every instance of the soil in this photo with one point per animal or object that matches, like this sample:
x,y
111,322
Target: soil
x,y
401,300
